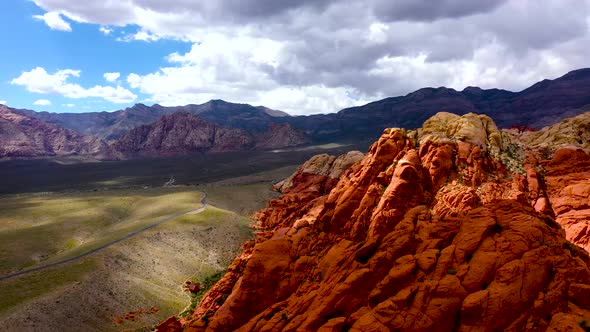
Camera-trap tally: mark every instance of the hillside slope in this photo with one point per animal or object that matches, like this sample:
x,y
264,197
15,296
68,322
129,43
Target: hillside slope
x,y
23,136
448,228
183,133
113,125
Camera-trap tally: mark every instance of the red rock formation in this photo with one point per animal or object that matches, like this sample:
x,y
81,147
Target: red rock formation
x,y
182,133
24,136
321,173
436,237
170,325
568,187
191,286
279,136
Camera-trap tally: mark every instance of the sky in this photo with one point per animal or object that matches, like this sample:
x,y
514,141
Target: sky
x,y
299,56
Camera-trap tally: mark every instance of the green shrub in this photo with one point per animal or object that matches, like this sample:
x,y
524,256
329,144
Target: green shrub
x,y
197,297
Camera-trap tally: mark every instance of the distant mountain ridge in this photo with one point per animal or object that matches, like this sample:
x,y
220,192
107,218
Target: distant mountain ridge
x,y
178,133
25,137
182,133
544,103
112,125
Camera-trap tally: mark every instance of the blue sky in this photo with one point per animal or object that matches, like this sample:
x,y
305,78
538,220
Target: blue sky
x,y
29,43
302,57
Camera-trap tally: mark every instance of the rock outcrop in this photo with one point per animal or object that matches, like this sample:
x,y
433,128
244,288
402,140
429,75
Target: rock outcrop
x,y
571,133
430,231
279,136
567,179
322,169
182,133
22,136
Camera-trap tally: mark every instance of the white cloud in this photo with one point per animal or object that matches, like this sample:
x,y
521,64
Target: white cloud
x,y
134,80
39,81
314,56
2,102
230,69
54,21
111,77
141,35
68,105
105,30
42,102
378,33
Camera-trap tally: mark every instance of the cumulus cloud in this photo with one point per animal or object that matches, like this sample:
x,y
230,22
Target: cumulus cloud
x,y
54,21
229,68
42,102
68,105
105,30
283,53
39,81
2,102
134,80
111,77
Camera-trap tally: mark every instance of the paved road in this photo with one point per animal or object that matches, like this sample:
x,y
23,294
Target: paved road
x,y
106,245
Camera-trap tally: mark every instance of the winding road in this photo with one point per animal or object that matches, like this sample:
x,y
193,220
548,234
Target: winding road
x,y
106,245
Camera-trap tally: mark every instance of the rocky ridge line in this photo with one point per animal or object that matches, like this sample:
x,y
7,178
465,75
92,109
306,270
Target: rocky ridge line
x,y
453,227
183,133
24,136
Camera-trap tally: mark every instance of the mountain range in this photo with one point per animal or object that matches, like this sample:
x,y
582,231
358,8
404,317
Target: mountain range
x,y
544,103
110,126
183,133
26,137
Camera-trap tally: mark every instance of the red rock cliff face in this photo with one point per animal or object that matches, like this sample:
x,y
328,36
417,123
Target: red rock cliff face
x,y
183,133
430,231
24,136
279,136
568,187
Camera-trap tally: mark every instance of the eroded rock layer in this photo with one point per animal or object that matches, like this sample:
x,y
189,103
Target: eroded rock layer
x,y
430,231
23,136
323,169
183,133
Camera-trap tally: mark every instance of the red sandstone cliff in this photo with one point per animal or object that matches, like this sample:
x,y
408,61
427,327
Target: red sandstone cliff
x,y
25,136
448,228
181,133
